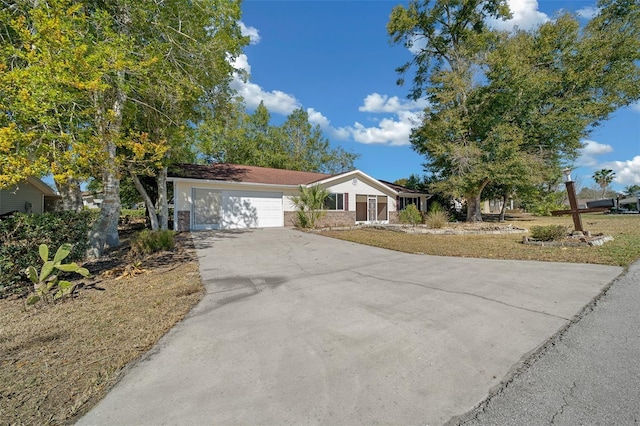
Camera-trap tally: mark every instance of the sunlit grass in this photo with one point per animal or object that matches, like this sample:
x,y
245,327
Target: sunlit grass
x,y
622,251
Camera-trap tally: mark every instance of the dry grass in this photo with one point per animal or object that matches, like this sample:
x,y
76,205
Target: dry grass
x,y
56,361
624,250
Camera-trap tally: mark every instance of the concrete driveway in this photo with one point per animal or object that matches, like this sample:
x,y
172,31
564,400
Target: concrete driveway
x,y
302,329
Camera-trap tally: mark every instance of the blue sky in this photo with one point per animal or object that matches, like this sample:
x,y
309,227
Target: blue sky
x,y
334,59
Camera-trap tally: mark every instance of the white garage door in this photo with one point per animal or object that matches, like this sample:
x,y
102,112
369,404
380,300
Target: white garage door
x,y
206,209
244,209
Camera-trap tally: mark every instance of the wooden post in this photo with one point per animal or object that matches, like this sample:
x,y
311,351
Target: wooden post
x,y
573,203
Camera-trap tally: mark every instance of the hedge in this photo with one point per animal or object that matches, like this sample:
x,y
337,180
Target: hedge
x,y
21,234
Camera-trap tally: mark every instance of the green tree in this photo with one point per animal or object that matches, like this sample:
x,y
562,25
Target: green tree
x,y
53,64
631,190
511,108
102,87
305,147
241,138
603,178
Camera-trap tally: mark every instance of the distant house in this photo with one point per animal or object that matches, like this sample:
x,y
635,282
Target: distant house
x,y
91,201
30,196
230,196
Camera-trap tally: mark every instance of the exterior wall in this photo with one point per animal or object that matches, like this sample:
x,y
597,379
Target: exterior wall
x,y
345,186
184,220
14,199
394,217
338,218
331,219
352,185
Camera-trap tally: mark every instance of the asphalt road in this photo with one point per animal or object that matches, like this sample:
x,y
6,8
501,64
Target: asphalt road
x,y
587,375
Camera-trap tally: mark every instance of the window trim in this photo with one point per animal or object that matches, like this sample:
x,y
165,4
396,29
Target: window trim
x,y
339,199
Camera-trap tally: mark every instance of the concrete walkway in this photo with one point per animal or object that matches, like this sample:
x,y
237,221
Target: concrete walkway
x,y
302,329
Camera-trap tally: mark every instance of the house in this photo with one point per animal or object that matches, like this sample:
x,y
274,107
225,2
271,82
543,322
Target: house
x,y
30,196
91,201
229,196
408,196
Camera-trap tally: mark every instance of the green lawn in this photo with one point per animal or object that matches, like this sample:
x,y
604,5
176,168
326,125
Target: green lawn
x,y
624,250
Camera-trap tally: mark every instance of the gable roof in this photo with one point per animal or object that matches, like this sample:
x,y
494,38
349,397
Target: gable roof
x,y
43,187
245,174
38,184
401,189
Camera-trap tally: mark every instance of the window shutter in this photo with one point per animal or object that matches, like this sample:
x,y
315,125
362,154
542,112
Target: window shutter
x,y
346,201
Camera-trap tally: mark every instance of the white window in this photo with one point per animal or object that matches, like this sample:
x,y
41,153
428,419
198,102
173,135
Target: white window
x,y
334,202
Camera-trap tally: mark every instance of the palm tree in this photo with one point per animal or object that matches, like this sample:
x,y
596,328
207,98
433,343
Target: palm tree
x,y
309,205
631,190
603,178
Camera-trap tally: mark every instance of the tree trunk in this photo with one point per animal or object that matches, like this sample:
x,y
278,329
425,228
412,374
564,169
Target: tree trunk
x,y
505,197
163,202
474,213
104,233
69,189
474,200
151,209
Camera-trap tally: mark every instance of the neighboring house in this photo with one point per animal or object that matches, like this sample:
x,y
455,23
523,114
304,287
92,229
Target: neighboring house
x,y
90,201
630,203
408,196
228,196
30,196
495,206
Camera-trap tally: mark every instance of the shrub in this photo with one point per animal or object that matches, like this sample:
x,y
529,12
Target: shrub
x,y
309,205
147,242
46,285
541,204
22,234
437,216
410,215
549,232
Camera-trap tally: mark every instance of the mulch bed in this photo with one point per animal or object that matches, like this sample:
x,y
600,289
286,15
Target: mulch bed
x,y
58,360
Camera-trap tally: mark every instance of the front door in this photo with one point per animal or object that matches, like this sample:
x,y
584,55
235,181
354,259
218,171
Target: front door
x,y
372,210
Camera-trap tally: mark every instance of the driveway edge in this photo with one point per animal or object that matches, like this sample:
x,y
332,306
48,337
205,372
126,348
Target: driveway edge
x,y
534,355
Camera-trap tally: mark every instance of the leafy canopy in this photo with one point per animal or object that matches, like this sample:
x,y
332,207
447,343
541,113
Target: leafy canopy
x,y
510,108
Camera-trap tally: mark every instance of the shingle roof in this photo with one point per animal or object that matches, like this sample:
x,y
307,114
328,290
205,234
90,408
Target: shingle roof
x,y
246,174
400,188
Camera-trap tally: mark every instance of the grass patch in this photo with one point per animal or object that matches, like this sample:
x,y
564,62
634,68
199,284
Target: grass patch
x,y
133,212
148,242
623,251
56,361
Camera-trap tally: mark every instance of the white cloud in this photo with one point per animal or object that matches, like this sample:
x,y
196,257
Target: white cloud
x,y
388,131
337,133
525,15
251,32
383,103
418,42
588,12
590,151
241,63
627,172
316,117
275,100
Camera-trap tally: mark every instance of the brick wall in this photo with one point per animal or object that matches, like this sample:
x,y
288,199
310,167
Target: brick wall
x,y
333,218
